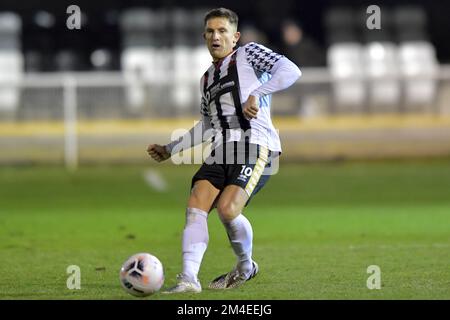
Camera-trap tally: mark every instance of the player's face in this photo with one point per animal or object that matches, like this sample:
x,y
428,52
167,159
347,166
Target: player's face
x,y
221,37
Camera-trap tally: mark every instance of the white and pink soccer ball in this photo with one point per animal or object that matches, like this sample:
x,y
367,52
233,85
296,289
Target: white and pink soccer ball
x,y
142,275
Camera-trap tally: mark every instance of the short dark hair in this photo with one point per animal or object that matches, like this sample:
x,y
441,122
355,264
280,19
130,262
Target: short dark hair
x,y
222,13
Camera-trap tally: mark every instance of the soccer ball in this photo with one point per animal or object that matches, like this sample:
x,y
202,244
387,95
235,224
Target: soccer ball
x,y
142,275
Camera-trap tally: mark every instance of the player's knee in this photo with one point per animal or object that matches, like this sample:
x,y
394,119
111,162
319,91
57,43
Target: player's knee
x,y
201,203
227,211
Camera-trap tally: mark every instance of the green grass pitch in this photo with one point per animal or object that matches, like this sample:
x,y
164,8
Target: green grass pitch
x,y
317,228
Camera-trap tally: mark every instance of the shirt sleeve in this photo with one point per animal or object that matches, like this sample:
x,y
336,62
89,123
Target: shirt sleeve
x,y
199,133
284,72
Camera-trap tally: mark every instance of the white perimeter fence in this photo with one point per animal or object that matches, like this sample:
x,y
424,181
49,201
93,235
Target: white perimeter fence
x,y
70,98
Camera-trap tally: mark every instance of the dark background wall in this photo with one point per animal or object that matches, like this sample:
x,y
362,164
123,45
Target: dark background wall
x,y
102,30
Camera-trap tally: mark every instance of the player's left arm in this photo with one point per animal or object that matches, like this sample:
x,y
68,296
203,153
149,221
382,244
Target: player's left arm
x,y
283,71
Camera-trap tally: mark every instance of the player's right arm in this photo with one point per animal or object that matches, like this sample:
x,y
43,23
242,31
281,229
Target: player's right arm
x,y
199,133
158,152
196,135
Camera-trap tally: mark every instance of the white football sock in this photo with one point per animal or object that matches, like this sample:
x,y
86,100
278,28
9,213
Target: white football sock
x,y
240,233
195,241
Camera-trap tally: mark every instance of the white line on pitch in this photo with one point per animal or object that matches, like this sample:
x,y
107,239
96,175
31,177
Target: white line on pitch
x,y
155,180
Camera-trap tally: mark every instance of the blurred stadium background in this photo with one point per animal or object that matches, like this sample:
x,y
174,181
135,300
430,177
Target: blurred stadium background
x,y
130,76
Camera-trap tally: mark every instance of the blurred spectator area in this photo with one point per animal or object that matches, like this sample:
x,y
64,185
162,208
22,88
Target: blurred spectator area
x,y
392,68
147,57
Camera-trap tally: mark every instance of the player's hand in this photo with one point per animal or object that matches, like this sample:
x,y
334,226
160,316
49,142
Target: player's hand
x,y
158,152
251,108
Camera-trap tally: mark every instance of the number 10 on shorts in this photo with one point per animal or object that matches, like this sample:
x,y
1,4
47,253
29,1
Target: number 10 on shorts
x,y
246,170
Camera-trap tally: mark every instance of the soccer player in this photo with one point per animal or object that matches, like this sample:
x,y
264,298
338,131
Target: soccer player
x,y
235,112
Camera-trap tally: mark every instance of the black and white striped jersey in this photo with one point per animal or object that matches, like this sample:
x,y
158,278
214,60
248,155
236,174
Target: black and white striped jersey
x,y
249,70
